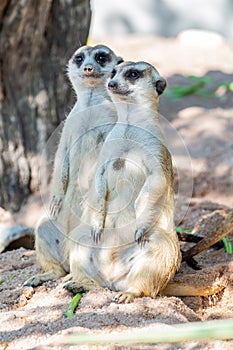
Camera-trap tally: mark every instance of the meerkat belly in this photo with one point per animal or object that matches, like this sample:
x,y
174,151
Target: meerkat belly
x,y
126,175
84,155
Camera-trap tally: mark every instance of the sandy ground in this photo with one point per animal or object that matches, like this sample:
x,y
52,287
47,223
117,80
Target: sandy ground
x,y
35,318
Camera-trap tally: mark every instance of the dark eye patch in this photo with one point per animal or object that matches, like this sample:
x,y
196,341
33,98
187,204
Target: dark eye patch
x,y
133,74
102,58
113,73
78,59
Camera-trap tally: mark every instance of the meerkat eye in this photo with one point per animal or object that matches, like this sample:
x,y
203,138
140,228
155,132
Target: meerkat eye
x,y
133,74
78,59
113,73
102,58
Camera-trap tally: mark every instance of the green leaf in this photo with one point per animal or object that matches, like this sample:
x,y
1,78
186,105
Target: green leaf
x,y
227,245
179,91
206,93
181,230
204,79
2,281
73,305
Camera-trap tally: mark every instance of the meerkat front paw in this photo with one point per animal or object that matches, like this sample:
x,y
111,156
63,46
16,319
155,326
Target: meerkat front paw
x,y
55,206
97,226
96,233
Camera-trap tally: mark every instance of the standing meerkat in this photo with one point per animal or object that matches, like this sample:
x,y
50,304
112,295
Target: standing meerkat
x,y
87,125
84,131
130,244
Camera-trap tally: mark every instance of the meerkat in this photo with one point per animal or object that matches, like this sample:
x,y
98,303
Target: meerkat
x,y
88,123
128,241
84,131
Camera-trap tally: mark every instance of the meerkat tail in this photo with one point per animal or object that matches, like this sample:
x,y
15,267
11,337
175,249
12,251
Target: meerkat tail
x,y
182,289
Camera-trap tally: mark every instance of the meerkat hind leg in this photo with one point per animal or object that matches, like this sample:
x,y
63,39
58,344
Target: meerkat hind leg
x,y
49,254
78,281
39,279
140,283
80,287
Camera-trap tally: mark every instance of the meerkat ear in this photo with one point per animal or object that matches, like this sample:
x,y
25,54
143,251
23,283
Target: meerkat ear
x,y
119,60
160,85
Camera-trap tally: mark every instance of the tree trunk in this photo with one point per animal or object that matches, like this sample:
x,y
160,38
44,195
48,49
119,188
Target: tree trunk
x,y
36,40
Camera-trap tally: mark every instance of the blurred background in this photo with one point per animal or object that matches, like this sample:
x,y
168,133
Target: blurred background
x,y
160,17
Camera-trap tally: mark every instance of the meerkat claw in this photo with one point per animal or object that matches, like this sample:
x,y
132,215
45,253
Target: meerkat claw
x,y
96,234
39,279
124,297
73,287
32,282
138,235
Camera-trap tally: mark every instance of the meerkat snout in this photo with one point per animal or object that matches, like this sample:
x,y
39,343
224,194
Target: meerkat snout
x,y
88,69
112,85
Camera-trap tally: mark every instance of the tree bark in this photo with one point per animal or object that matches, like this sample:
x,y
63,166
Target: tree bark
x,y
36,40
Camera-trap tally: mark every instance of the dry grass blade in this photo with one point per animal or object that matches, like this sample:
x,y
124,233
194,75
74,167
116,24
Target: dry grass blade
x,y
220,329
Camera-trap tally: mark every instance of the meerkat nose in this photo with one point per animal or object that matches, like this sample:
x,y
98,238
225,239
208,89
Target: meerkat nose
x,y
88,68
112,84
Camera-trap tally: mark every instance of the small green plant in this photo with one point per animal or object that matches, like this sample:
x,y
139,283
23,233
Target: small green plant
x,y
227,245
73,305
182,230
196,88
2,281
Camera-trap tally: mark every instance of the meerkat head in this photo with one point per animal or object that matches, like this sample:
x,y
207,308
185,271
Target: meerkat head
x,y
91,66
135,82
